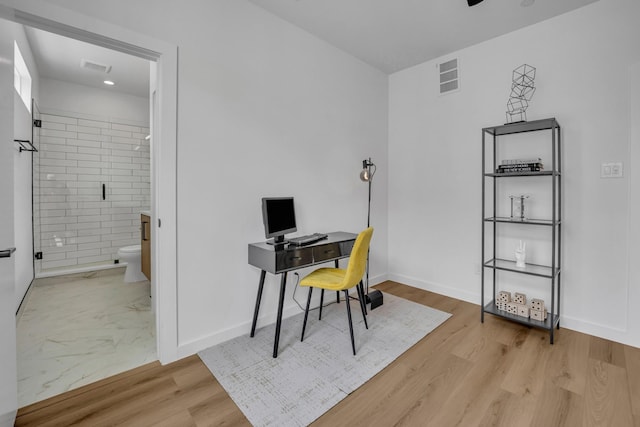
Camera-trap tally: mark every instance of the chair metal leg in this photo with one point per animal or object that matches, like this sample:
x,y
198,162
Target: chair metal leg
x,y
364,297
306,313
346,300
362,304
321,303
338,297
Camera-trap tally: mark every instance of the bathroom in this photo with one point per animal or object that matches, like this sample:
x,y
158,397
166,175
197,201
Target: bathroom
x,y
88,313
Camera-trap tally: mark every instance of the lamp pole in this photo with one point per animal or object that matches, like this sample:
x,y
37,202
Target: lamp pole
x,y
367,176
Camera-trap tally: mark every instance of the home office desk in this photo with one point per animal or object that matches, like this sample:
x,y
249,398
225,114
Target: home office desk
x,y
280,259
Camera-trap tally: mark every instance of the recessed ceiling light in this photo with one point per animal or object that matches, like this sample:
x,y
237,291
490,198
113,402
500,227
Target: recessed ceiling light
x,y
109,83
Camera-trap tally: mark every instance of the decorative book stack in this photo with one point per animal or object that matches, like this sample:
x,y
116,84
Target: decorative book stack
x,y
520,165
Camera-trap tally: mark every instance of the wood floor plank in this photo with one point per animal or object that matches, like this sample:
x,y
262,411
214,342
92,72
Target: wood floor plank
x,y
632,358
465,373
607,396
558,407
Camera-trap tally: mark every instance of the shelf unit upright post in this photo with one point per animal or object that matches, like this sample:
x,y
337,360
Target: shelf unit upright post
x,y
551,272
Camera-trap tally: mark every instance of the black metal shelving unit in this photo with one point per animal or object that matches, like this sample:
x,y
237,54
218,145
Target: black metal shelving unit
x,y
551,272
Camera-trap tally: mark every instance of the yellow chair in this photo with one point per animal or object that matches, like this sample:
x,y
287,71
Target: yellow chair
x,y
340,279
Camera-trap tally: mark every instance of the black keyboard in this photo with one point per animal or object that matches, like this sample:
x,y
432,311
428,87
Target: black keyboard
x,y
307,240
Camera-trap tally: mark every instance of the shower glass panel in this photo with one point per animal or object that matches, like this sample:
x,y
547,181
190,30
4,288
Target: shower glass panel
x,y
91,183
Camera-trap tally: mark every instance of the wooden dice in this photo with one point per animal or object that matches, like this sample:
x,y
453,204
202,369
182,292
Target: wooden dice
x,y
520,298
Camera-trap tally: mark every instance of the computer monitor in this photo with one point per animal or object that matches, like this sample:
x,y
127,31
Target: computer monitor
x,y
279,217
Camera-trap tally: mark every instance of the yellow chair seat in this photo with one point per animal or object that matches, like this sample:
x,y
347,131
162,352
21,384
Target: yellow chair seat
x,y
341,279
326,278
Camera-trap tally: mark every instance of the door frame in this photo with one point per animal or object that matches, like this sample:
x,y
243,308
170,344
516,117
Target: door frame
x,y
164,155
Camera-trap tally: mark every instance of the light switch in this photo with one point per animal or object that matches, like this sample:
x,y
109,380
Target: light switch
x,y
611,170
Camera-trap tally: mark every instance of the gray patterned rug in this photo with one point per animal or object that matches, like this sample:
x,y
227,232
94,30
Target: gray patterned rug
x,y
308,378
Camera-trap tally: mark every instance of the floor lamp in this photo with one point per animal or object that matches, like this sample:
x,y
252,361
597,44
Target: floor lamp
x,y
366,175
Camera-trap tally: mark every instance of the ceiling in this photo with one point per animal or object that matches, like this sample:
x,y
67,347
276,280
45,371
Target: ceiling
x,y
59,58
392,35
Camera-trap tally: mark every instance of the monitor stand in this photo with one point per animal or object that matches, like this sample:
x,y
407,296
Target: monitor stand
x,y
277,241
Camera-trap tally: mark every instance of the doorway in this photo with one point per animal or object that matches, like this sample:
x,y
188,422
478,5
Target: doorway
x,y
163,196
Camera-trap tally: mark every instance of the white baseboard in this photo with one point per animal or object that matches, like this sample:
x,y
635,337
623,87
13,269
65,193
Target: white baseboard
x,y
192,347
438,288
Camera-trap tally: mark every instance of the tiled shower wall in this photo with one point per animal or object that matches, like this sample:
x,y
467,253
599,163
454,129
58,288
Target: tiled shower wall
x,y
77,156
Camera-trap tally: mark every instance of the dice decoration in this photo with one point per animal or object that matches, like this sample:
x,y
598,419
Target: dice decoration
x,y
517,305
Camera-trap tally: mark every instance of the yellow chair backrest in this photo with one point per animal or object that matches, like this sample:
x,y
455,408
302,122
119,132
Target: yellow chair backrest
x,y
358,259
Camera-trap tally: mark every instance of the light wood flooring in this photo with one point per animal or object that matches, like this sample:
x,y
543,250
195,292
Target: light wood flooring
x,y
464,373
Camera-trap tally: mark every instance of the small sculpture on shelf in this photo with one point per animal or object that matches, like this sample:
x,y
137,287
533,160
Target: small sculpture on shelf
x,y
522,90
521,254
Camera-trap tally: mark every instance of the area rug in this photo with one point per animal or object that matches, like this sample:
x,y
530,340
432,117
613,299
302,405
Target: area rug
x,y
308,378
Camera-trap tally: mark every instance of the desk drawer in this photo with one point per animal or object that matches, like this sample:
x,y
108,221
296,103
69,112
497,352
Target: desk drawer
x,y
293,258
326,252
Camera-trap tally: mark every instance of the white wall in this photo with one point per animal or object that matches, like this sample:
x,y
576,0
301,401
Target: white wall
x,y
22,176
582,61
264,109
58,97
8,370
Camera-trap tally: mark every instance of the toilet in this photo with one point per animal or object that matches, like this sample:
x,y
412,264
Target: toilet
x,y
131,255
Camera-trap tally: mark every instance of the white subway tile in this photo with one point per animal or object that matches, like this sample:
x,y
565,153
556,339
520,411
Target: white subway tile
x,y
93,232
131,230
58,133
83,253
85,212
93,137
118,236
116,210
54,126
52,227
93,218
52,169
93,123
87,239
55,264
37,160
84,157
92,259
128,128
49,211
83,129
91,150
126,153
57,220
116,133
93,246
83,226
84,143
58,119
125,178
117,147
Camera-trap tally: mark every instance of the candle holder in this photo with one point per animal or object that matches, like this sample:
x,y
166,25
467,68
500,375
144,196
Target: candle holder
x,y
517,206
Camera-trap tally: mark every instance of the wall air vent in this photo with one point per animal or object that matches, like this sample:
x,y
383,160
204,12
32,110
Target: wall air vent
x,y
94,66
449,76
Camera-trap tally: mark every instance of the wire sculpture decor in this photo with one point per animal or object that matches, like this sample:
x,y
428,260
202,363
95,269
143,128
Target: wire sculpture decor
x,y
522,90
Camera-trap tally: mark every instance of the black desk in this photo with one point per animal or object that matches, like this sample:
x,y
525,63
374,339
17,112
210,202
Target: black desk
x,y
284,258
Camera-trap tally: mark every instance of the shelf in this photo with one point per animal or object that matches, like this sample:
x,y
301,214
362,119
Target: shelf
x,y
509,174
531,269
551,322
547,222
520,127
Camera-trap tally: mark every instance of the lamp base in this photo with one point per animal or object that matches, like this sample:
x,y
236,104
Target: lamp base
x,y
375,299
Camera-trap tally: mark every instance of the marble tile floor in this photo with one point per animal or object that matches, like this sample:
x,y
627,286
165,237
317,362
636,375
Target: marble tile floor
x,y
81,328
